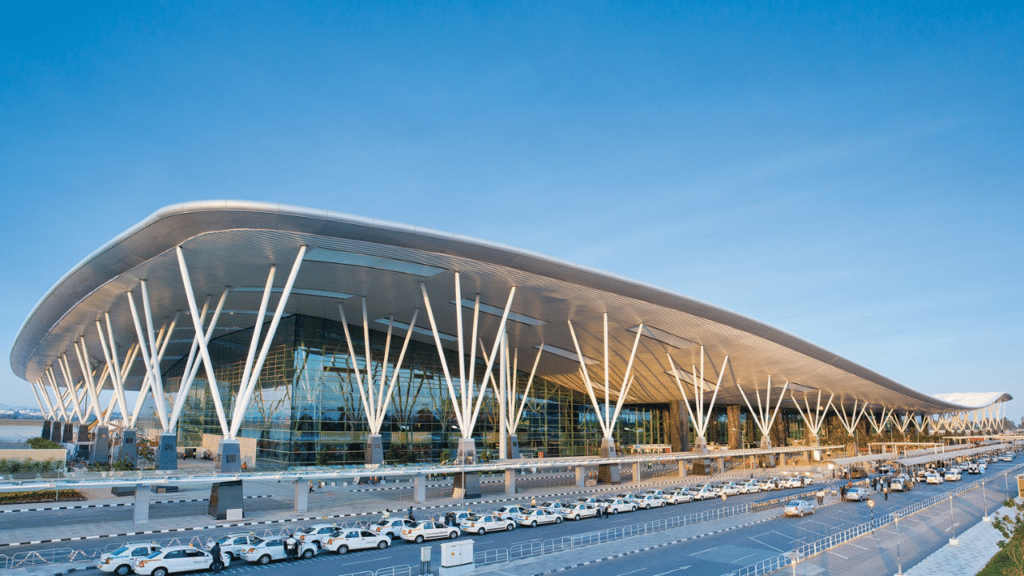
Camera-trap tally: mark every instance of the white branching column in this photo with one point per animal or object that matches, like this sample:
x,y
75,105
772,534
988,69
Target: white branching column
x,y
607,473
375,394
510,408
699,416
467,399
813,419
850,422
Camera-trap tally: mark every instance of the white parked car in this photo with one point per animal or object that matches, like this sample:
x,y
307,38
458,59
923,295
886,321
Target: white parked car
x,y
898,484
857,494
1007,458
952,475
767,484
429,530
705,492
177,559
234,544
390,526
619,505
933,478
799,507
579,511
355,539
793,482
486,523
267,551
649,501
534,516
655,492
316,534
122,560
513,512
628,496
729,489
750,487
679,495
553,506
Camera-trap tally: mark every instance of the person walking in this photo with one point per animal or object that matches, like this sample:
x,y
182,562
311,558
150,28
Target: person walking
x,y
885,491
218,563
292,545
411,517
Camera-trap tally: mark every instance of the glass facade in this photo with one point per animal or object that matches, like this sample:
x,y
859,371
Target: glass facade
x,y
306,408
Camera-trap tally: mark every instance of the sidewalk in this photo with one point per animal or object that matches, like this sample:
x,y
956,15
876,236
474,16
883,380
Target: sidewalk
x,y
977,546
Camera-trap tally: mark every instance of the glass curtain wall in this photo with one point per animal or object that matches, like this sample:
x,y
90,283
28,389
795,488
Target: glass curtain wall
x,y
306,408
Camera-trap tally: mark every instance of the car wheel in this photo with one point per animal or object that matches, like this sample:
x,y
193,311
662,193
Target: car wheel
x,y
265,559
510,527
480,532
308,553
419,539
453,535
342,549
382,544
648,506
558,519
615,511
576,517
160,572
533,524
633,508
123,570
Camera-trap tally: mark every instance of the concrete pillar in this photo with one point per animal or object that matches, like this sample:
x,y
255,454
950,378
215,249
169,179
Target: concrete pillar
x,y
167,452
419,488
467,484
735,431
141,504
229,461
608,473
301,496
636,472
83,433
721,464
100,453
766,444
683,465
128,451
512,447
374,449
47,429
782,459
69,432
581,476
510,481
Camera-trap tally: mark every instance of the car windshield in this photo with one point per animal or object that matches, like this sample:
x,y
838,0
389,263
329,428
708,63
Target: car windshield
x,y
154,554
119,551
415,524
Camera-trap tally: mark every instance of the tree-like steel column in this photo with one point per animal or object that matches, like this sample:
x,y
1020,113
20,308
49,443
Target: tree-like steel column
x,y
764,417
813,419
700,417
607,473
511,411
466,412
376,394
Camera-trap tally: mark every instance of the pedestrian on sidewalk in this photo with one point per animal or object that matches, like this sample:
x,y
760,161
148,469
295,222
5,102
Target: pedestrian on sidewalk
x,y
411,517
218,563
885,490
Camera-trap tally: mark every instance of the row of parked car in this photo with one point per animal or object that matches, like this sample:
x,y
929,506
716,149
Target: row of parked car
x,y
150,558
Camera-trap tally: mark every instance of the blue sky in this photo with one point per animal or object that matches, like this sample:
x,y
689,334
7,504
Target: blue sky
x,y
852,175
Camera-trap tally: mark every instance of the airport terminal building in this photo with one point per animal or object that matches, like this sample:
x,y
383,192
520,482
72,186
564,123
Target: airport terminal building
x,y
313,338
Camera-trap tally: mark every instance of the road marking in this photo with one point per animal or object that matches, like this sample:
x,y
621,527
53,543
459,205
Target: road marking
x,y
673,570
838,554
747,556
633,572
703,551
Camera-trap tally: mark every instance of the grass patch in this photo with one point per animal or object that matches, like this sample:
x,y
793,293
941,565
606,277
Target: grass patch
x,y
41,496
1001,564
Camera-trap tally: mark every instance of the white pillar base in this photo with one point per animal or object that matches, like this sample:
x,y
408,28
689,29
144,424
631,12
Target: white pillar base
x,y
954,542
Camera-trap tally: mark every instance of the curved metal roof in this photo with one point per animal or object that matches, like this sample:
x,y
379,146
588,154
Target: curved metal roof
x,y
232,243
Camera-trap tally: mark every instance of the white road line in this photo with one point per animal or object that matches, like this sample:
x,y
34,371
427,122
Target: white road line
x,y
633,572
703,551
672,570
838,554
747,556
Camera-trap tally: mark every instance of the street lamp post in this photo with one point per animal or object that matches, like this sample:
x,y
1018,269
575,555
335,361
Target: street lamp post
x,y
984,502
952,525
871,506
899,559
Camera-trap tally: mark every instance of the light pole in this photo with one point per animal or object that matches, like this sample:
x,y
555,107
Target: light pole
x,y
899,559
871,506
984,502
952,526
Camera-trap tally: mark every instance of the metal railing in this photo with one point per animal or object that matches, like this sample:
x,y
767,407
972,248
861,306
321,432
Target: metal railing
x,y
811,549
403,570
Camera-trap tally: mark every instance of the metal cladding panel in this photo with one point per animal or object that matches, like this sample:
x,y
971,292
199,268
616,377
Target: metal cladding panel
x,y
235,243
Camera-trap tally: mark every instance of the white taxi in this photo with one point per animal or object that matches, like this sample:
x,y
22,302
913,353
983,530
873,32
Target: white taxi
x,y
750,487
120,561
177,559
486,523
681,494
234,544
355,539
390,526
534,516
648,501
429,530
513,512
619,505
267,551
316,534
729,489
579,511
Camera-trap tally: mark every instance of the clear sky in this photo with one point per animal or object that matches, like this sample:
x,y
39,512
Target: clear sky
x,y
851,175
